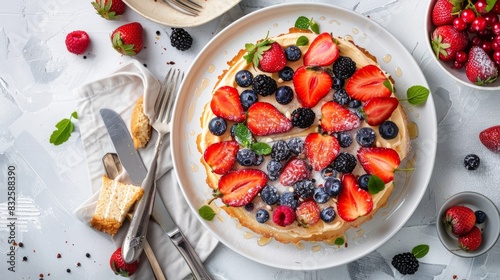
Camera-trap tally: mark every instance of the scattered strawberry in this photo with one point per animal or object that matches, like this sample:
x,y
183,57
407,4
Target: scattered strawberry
x,y
379,109
353,202
471,240
447,41
459,219
379,161
220,156
283,215
368,82
307,213
490,138
109,9
445,11
311,85
226,104
77,42
336,118
239,187
294,171
127,39
480,69
321,149
119,266
322,51
264,119
267,55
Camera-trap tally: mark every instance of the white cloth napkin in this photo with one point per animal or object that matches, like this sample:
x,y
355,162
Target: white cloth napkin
x,y
119,91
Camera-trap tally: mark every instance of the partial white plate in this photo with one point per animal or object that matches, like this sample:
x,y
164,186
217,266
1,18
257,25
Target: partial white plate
x,y
196,92
161,12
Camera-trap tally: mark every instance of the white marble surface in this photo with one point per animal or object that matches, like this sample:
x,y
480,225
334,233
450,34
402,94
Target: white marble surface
x,y
37,76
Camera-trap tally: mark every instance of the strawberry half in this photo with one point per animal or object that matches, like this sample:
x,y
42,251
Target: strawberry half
x,y
321,149
239,187
322,51
368,82
379,109
264,119
273,60
353,202
336,118
127,39
379,161
220,156
490,138
226,104
307,213
294,171
480,68
311,85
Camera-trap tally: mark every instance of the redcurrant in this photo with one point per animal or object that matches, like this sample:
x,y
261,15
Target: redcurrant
x,y
495,28
495,46
486,46
481,6
476,41
457,65
459,24
461,56
468,15
479,24
491,18
496,57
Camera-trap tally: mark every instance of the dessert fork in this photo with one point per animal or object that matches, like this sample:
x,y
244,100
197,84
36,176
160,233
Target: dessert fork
x,y
188,7
133,243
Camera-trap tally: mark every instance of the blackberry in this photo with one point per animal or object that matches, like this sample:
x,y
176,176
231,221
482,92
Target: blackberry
x,y
344,67
284,95
365,136
264,85
337,83
327,214
341,97
328,172
217,126
246,157
303,117
293,53
248,98
304,188
286,74
280,151
345,139
332,186
289,199
273,169
320,195
471,162
405,263
180,39
344,162
296,145
480,217
388,130
262,216
363,181
269,195
243,78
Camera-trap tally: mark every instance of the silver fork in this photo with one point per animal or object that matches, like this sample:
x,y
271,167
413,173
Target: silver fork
x,y
132,244
188,7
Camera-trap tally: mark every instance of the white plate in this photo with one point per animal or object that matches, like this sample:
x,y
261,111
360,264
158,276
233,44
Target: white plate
x,y
196,92
161,12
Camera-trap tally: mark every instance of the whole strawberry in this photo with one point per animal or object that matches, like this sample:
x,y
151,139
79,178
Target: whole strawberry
x,y
480,69
77,42
267,55
109,9
447,41
459,219
119,266
490,138
445,11
127,39
470,241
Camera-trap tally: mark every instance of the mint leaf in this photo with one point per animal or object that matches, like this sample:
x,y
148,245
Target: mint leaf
x,y
64,129
420,251
74,115
375,184
302,41
417,95
261,148
242,135
314,27
388,85
302,23
339,241
206,212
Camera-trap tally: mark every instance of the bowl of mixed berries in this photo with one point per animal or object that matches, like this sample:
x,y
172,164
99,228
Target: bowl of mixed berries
x,y
464,37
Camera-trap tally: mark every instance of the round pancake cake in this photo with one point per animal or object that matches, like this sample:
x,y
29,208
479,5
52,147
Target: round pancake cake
x,y
302,137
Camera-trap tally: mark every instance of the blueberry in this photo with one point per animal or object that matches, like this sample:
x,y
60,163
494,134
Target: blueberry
x,y
341,97
365,136
327,214
358,112
258,160
344,162
471,162
337,83
248,98
296,145
304,188
388,130
289,199
249,206
280,151
262,216
246,157
480,217
345,139
363,181
217,126
243,78
328,172
269,195
284,95
320,195
332,186
354,103
273,169
286,74
293,53
231,130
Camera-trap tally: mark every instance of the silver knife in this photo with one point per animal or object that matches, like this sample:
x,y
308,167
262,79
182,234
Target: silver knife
x,y
131,160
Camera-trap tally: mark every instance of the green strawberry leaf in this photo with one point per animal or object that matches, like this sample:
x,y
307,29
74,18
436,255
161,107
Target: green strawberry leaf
x,y
302,41
206,212
261,148
417,95
375,184
420,251
243,135
64,129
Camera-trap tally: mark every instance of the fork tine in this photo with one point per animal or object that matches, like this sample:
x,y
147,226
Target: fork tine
x,y
168,94
185,7
161,95
171,96
192,3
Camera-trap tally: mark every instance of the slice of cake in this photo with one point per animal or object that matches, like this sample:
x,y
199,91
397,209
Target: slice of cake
x,y
115,200
139,125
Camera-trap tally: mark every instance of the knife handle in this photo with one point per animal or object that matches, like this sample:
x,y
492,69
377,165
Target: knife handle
x,y
189,254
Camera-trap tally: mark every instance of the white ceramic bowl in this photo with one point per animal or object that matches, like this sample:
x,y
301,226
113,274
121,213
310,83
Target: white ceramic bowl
x,y
490,228
457,74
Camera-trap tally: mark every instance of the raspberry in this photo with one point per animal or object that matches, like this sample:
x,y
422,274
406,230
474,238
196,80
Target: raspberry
x,y
77,42
344,67
264,85
308,213
405,263
180,39
303,117
283,215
